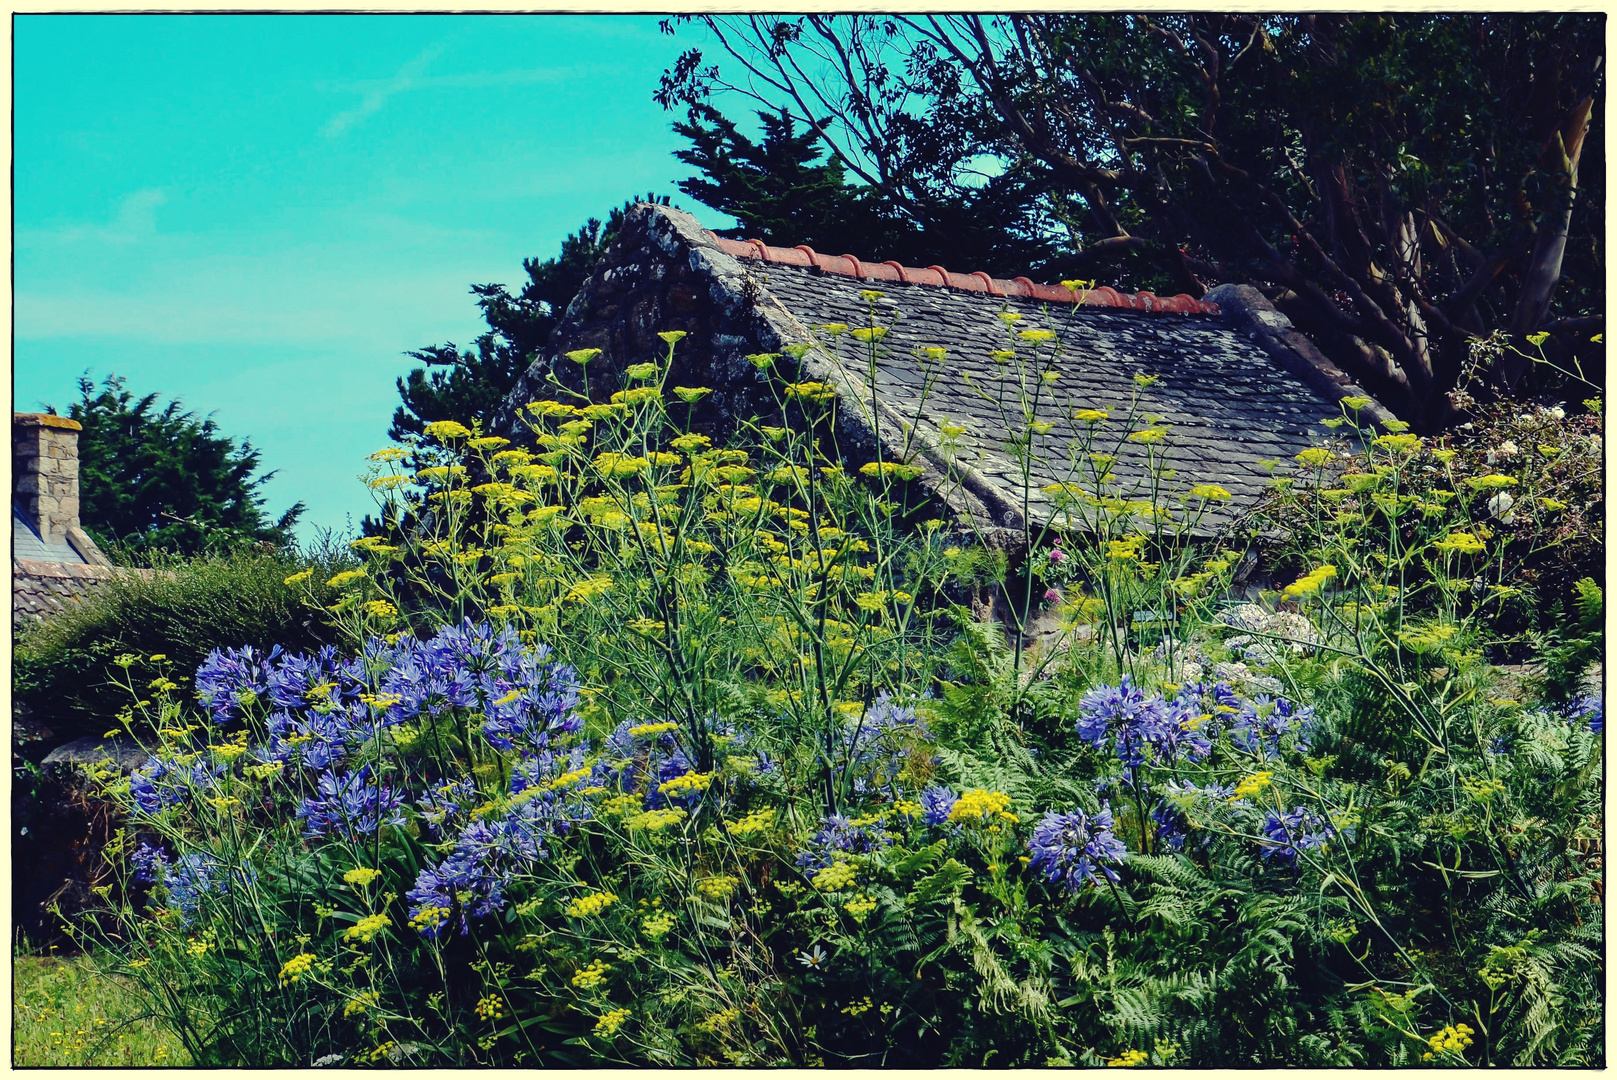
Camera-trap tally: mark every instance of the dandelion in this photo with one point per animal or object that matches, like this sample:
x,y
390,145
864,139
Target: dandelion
x,y
297,967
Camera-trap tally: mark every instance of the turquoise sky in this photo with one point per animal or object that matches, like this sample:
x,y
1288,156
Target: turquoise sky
x,y
258,214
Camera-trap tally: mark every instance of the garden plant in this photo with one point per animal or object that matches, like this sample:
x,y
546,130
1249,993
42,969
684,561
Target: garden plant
x,y
641,748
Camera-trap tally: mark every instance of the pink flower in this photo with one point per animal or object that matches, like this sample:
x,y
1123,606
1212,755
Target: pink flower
x,y
1057,555
1052,596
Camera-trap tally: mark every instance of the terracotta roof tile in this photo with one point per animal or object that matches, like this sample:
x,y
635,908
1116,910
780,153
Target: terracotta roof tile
x,y
850,266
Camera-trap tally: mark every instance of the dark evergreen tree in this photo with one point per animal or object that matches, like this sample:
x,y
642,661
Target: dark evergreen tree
x,y
782,193
469,384
155,478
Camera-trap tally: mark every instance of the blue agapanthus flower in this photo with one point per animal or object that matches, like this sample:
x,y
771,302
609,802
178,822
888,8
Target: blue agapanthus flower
x,y
1073,849
1144,729
190,878
149,862
839,835
1285,835
876,748
1263,721
351,806
160,783
1591,710
230,678
486,859
937,802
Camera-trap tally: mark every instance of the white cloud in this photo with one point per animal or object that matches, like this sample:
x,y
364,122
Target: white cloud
x,y
134,220
409,76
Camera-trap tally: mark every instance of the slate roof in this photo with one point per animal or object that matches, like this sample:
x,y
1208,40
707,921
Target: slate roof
x,y
1235,384
27,544
1226,403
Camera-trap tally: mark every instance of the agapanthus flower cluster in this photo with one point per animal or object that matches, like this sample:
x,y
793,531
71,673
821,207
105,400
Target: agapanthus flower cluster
x,y
880,744
1590,710
839,837
351,806
195,875
1288,834
230,679
544,800
1073,849
937,802
1143,729
150,863
160,782
1263,721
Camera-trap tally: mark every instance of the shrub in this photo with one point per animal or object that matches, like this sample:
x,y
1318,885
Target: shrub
x,y
646,751
64,667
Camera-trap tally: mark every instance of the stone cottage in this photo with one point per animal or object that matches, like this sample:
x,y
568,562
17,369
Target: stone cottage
x,y
53,560
1234,383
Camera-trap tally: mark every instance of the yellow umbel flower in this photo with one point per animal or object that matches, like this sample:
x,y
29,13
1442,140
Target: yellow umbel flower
x,y
1310,583
593,904
1451,1040
345,578
357,1005
756,822
447,429
588,978
489,1008
609,1022
361,876
301,575
367,928
836,876
295,968
980,805
1315,457
1251,785
1128,1059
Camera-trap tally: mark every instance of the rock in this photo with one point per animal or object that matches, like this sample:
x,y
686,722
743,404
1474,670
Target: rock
x,y
120,750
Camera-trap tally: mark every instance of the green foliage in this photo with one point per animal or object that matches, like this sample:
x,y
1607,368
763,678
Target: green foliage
x,y
804,810
463,384
162,480
64,668
781,194
68,1014
1400,184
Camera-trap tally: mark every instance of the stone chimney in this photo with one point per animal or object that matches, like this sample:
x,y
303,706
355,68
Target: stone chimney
x,y
45,480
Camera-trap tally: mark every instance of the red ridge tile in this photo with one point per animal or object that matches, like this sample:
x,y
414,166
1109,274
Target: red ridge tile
x,y
977,281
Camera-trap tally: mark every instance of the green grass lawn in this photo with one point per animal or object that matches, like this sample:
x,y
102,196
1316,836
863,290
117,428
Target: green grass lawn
x,y
64,1014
